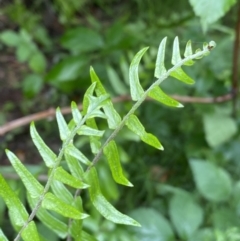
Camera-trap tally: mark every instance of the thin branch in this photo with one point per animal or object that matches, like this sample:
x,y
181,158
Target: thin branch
x,y
50,113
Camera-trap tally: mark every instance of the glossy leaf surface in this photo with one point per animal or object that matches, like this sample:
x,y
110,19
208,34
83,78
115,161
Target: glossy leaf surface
x,y
53,203
160,67
59,227
32,185
17,211
61,175
102,205
47,154
73,151
135,126
77,117
62,125
113,117
182,76
157,94
111,153
135,86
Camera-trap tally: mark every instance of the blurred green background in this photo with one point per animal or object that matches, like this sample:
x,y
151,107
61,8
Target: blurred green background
x,y
188,192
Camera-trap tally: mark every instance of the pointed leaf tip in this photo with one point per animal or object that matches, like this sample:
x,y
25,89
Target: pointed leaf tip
x,y
176,56
135,86
157,94
160,68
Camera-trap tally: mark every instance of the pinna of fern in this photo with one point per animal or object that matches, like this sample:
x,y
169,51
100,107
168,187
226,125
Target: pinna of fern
x,y
81,173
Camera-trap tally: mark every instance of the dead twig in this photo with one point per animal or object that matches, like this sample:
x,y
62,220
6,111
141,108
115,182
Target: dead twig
x,y
50,113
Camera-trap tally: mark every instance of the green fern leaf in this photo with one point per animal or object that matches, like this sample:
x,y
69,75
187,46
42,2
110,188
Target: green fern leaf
x,y
88,131
55,204
63,176
135,86
50,221
74,166
157,94
160,67
176,56
188,52
94,140
111,153
17,211
2,236
30,233
62,125
77,117
62,192
46,153
73,151
32,185
135,126
102,205
182,76
113,118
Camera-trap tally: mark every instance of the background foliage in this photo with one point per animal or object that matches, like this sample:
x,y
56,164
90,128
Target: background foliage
x,y
190,191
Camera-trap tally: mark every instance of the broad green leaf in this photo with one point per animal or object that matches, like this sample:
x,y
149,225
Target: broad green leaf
x,y
185,214
73,151
32,185
81,39
111,153
24,51
60,191
17,211
38,62
30,233
157,94
188,52
218,129
53,203
69,69
77,117
46,153
224,218
155,227
102,205
213,182
160,67
2,236
63,176
113,117
74,166
176,56
62,125
32,84
135,126
182,76
135,86
116,82
210,10
88,131
10,38
54,224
